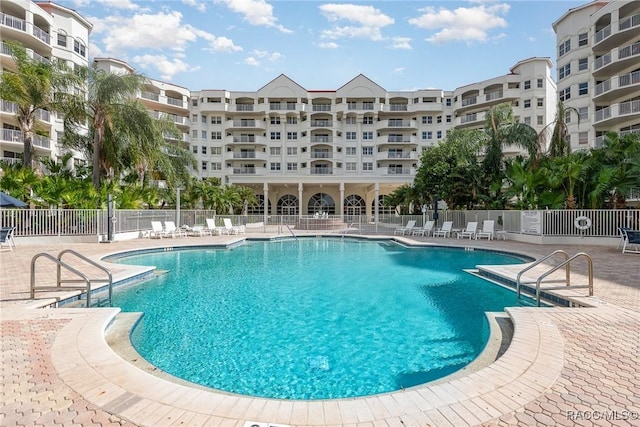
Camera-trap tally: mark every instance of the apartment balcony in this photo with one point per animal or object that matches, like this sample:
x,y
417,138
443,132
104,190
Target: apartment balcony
x,y
239,155
397,124
321,170
470,120
617,86
152,98
251,140
320,107
244,124
248,170
15,137
315,155
617,114
286,106
357,107
12,108
396,140
611,36
19,30
396,155
616,60
395,108
321,123
398,171
320,139
599,141
178,120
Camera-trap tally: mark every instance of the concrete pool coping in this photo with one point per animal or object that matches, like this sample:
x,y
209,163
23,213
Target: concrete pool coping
x,y
535,366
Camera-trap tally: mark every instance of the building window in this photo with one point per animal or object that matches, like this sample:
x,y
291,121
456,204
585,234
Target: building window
x,y
204,166
292,135
367,136
583,64
367,151
275,120
274,151
216,120
564,94
216,166
367,120
583,39
203,134
564,71
292,120
564,47
527,120
216,151
351,151
195,148
292,166
527,103
292,151
79,48
583,113
540,83
439,134
367,166
204,149
527,84
540,120
540,102
194,134
216,135
275,136
275,166
448,102
439,119
194,118
194,102
448,118
350,121
350,166
427,135
583,88
351,136
62,40
567,116
427,120
203,119
583,137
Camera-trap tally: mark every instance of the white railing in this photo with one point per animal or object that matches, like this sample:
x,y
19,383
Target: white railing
x,y
13,22
17,136
604,223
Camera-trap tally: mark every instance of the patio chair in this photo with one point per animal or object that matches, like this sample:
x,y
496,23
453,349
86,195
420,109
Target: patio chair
x,y
623,236
470,231
487,230
157,231
445,230
632,240
199,231
232,229
171,230
407,228
425,230
6,238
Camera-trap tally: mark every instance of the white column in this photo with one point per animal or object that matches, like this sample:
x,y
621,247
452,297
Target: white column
x,y
342,201
265,191
300,201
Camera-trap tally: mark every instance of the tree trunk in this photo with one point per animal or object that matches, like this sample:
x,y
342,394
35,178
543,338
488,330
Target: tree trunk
x,y
97,150
28,150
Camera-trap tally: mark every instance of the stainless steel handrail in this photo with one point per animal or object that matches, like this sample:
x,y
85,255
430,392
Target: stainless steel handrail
x,y
559,251
59,263
563,264
109,279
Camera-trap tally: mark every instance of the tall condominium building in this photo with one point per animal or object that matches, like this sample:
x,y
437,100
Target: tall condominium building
x,y
47,31
598,67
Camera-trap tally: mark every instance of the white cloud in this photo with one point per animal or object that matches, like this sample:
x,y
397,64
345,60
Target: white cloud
x,y
162,30
199,5
401,43
470,24
397,71
167,68
255,12
252,61
367,21
328,45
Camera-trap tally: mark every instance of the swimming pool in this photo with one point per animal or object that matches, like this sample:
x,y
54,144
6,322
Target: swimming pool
x,y
313,318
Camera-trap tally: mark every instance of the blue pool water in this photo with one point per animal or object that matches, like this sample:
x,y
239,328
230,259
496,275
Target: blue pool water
x,y
313,318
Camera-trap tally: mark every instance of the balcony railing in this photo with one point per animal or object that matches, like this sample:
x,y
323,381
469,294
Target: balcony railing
x,y
398,107
13,22
469,118
399,123
321,155
470,101
632,21
392,155
244,154
42,35
17,136
398,171
399,138
326,139
616,110
623,81
321,171
150,95
244,107
360,106
244,138
175,101
630,50
599,141
12,107
494,95
602,61
602,34
244,171
321,107
244,123
277,106
321,123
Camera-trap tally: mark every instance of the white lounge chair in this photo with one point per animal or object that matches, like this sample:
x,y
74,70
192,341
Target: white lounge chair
x,y
632,240
425,230
157,231
232,229
469,231
171,230
199,231
6,238
211,226
407,228
445,230
487,230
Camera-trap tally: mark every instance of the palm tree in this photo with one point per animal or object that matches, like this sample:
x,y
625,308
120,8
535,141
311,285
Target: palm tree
x,y
502,131
559,144
123,135
248,198
35,86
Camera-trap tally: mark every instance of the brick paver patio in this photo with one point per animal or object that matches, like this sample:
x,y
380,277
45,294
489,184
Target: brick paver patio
x,y
565,366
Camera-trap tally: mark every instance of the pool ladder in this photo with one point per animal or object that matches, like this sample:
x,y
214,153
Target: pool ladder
x,y
566,263
83,278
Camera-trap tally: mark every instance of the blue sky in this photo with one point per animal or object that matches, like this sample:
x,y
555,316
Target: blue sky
x,y
243,44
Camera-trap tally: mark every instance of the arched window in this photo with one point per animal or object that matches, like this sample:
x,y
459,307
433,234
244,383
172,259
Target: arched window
x,y
354,205
321,202
382,209
288,205
258,208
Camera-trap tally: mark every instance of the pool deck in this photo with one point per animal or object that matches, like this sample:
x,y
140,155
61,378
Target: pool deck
x,y
564,366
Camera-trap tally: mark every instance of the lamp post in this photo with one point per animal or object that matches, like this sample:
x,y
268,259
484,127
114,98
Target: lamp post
x,y
435,209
